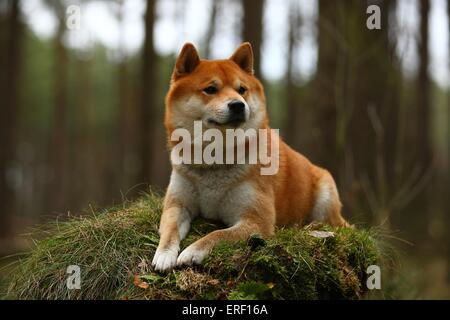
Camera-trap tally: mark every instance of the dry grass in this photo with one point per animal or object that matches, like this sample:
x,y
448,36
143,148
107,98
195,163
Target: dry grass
x,y
114,250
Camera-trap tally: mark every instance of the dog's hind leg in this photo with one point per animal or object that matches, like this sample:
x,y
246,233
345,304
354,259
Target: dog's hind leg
x,y
327,207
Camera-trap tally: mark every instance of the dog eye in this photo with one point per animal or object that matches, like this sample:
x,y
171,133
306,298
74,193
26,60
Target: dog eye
x,y
210,90
242,90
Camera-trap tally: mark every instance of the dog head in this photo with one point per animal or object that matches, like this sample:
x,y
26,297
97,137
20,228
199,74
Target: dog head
x,y
221,94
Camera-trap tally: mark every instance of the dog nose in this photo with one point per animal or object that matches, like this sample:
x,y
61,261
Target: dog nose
x,y
236,107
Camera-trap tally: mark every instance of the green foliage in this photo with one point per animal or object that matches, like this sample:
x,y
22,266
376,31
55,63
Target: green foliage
x,y
114,249
251,290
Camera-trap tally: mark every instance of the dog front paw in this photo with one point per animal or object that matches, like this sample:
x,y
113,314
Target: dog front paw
x,y
192,255
165,259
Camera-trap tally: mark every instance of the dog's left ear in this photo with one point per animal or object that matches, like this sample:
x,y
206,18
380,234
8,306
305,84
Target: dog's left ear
x,y
243,57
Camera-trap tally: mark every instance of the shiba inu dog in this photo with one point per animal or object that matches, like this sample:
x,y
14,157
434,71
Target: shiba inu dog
x,y
224,94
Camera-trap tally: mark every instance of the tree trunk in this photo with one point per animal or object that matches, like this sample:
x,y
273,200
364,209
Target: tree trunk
x,y
128,122
148,95
325,88
57,194
128,116
292,104
423,142
252,29
87,178
9,112
212,28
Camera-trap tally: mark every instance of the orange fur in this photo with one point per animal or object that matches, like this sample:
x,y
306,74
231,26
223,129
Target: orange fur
x,y
254,203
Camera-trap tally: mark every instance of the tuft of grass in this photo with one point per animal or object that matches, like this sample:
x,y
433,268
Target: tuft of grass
x,y
114,248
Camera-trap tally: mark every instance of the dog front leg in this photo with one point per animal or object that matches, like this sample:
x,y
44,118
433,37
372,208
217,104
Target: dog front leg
x,y
196,252
174,225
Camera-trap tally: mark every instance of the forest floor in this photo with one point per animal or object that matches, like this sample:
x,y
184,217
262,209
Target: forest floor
x,y
114,248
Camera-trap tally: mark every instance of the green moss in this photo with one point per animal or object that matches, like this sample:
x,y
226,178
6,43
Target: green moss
x,y
250,290
114,250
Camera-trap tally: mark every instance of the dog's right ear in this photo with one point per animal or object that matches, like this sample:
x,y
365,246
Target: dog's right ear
x,y
187,61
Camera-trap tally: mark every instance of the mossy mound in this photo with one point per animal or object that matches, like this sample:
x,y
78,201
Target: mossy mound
x,y
114,249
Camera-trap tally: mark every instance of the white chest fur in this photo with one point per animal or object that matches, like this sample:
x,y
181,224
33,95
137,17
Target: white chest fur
x,y
220,194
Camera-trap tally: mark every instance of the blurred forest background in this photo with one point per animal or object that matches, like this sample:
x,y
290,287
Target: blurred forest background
x,y
82,107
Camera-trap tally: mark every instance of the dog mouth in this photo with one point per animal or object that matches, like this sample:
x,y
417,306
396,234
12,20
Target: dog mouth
x,y
229,123
235,120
